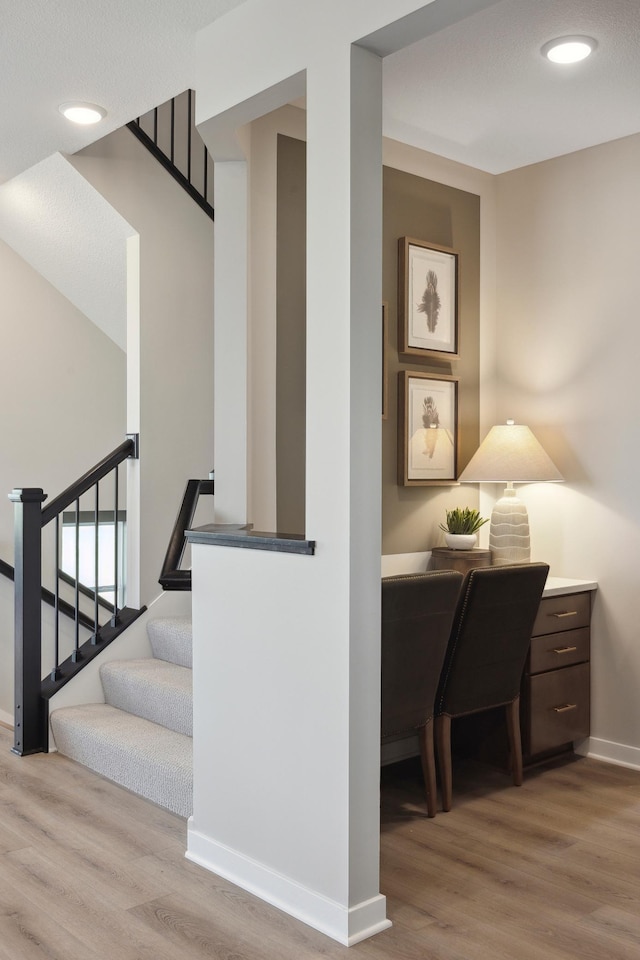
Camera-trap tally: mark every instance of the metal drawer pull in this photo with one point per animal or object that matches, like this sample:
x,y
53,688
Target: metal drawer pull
x,y
565,613
564,649
567,706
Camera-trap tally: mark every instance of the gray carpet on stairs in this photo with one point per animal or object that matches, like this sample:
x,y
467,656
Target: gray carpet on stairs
x,y
154,689
142,756
141,737
171,639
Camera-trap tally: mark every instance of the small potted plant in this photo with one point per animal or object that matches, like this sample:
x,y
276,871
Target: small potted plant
x,y
461,528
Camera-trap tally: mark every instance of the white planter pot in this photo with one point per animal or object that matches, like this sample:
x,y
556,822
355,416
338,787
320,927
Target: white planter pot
x,y
461,541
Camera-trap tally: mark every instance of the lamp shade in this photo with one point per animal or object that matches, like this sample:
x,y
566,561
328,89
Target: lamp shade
x,y
510,453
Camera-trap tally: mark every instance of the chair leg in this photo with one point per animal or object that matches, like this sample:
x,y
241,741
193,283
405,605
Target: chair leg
x,y
427,753
443,749
512,711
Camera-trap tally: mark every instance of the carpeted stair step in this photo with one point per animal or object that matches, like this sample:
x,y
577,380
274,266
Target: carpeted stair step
x,y
153,689
171,639
142,756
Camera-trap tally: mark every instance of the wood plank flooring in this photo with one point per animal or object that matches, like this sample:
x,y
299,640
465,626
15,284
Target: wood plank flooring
x,y
547,871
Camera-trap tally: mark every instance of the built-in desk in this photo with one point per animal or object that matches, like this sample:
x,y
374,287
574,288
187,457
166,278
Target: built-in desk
x,y
555,693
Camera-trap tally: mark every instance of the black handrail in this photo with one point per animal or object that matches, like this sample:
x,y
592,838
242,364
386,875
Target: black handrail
x,y
171,577
89,479
31,692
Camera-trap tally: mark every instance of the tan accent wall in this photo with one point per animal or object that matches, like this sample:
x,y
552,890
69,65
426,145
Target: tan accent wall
x,y
443,215
291,335
415,207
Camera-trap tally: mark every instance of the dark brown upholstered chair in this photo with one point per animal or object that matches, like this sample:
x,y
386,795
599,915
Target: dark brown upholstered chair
x,y
417,613
486,655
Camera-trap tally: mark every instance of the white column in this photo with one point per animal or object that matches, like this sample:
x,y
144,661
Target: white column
x,y
287,647
344,304
230,341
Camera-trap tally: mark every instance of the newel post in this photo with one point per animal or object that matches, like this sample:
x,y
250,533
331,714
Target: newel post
x,y
30,734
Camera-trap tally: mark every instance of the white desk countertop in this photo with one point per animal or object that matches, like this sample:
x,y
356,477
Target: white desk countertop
x,y
556,586
394,564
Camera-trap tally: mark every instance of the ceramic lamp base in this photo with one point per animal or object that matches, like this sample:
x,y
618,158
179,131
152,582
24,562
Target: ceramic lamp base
x,y
509,539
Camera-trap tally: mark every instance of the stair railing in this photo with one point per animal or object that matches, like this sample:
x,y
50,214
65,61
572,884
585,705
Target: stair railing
x,y
169,132
65,608
171,576
32,693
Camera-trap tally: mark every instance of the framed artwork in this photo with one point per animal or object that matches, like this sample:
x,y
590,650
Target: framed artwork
x,y
427,300
385,360
427,429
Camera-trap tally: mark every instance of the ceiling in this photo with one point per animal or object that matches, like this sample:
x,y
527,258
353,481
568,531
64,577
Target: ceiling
x,y
478,92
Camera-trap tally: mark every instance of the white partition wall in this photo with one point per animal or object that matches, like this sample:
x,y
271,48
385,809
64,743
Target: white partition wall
x,y
286,646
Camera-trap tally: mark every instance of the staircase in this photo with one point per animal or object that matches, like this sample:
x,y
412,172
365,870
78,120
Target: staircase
x,y
141,737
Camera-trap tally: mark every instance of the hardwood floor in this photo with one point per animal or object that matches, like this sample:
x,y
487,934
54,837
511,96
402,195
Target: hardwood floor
x,y
547,871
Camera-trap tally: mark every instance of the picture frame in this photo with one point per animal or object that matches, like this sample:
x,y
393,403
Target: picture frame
x,y
385,360
427,429
427,300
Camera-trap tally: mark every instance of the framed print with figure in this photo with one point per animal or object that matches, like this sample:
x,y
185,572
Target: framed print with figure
x,y
427,300
427,429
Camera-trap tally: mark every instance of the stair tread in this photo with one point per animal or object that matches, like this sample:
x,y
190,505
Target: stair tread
x,y
152,669
156,690
142,756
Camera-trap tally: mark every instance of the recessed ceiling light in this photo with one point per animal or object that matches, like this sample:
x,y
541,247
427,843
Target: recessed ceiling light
x,y
84,113
568,49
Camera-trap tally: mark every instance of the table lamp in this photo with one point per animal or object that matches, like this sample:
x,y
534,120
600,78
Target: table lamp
x,y
510,454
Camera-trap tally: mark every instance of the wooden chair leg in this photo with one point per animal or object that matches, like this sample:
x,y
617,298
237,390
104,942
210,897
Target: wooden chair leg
x,y
512,711
443,750
427,752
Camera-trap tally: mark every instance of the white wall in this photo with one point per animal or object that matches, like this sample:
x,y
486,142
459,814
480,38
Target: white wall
x,y
62,407
568,348
175,373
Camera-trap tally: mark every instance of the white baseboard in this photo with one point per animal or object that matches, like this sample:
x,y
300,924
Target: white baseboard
x,y
619,753
347,925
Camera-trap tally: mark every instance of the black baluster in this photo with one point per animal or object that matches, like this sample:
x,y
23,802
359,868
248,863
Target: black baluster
x,y
206,172
96,572
189,137
76,655
114,619
173,128
55,672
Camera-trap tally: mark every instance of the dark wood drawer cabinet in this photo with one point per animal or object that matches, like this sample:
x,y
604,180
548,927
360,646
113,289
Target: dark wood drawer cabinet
x,y
555,695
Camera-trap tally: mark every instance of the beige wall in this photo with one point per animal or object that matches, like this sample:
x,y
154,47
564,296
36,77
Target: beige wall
x,y
417,206
175,376
62,408
569,342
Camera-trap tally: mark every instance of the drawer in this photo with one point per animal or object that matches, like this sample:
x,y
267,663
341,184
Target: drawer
x,y
555,650
558,707
566,612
